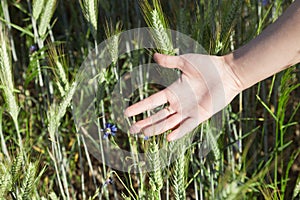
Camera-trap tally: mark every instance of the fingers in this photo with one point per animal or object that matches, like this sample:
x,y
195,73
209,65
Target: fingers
x,y
185,127
149,103
159,98
160,115
163,126
169,61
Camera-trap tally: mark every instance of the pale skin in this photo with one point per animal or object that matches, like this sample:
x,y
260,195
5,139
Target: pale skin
x,y
209,83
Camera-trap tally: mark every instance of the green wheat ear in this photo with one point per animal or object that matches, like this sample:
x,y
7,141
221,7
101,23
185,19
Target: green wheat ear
x,y
113,33
178,171
53,196
90,12
156,180
59,66
16,167
155,19
28,182
6,81
46,16
56,113
6,78
37,8
5,184
178,177
297,188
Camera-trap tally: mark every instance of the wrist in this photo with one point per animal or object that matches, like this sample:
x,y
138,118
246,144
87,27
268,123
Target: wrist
x,y
233,70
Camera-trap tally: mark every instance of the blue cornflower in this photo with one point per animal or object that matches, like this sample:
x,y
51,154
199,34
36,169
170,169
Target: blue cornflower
x,y
33,48
265,2
146,137
110,129
108,181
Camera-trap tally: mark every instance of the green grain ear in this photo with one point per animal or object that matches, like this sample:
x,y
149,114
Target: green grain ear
x,y
28,182
155,19
59,65
90,13
16,167
297,189
46,16
156,180
113,33
179,177
5,184
37,8
6,81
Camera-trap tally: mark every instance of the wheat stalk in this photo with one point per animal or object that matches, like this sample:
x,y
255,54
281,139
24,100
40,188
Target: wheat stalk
x,y
54,115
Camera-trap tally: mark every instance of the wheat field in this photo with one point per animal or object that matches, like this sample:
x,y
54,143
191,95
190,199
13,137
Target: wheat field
x,y
44,154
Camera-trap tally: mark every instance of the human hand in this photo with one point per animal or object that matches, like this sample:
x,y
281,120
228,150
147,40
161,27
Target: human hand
x,y
207,84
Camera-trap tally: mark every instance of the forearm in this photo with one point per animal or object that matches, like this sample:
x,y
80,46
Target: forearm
x,y
275,49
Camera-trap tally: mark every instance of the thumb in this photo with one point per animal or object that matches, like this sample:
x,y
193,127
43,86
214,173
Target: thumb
x,y
169,61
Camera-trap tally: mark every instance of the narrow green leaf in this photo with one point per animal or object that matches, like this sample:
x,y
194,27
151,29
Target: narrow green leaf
x,y
18,28
266,107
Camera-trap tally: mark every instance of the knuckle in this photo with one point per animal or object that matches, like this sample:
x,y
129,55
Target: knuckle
x,y
181,63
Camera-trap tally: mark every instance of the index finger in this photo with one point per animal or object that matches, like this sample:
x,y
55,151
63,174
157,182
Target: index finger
x,y
149,103
169,61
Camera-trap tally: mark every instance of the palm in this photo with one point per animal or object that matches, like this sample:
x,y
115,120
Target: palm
x,y
204,88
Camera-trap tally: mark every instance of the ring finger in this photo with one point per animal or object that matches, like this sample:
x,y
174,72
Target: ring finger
x,y
163,125
155,118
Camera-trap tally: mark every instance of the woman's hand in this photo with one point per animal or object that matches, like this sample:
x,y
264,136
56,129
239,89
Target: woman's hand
x,y
207,84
